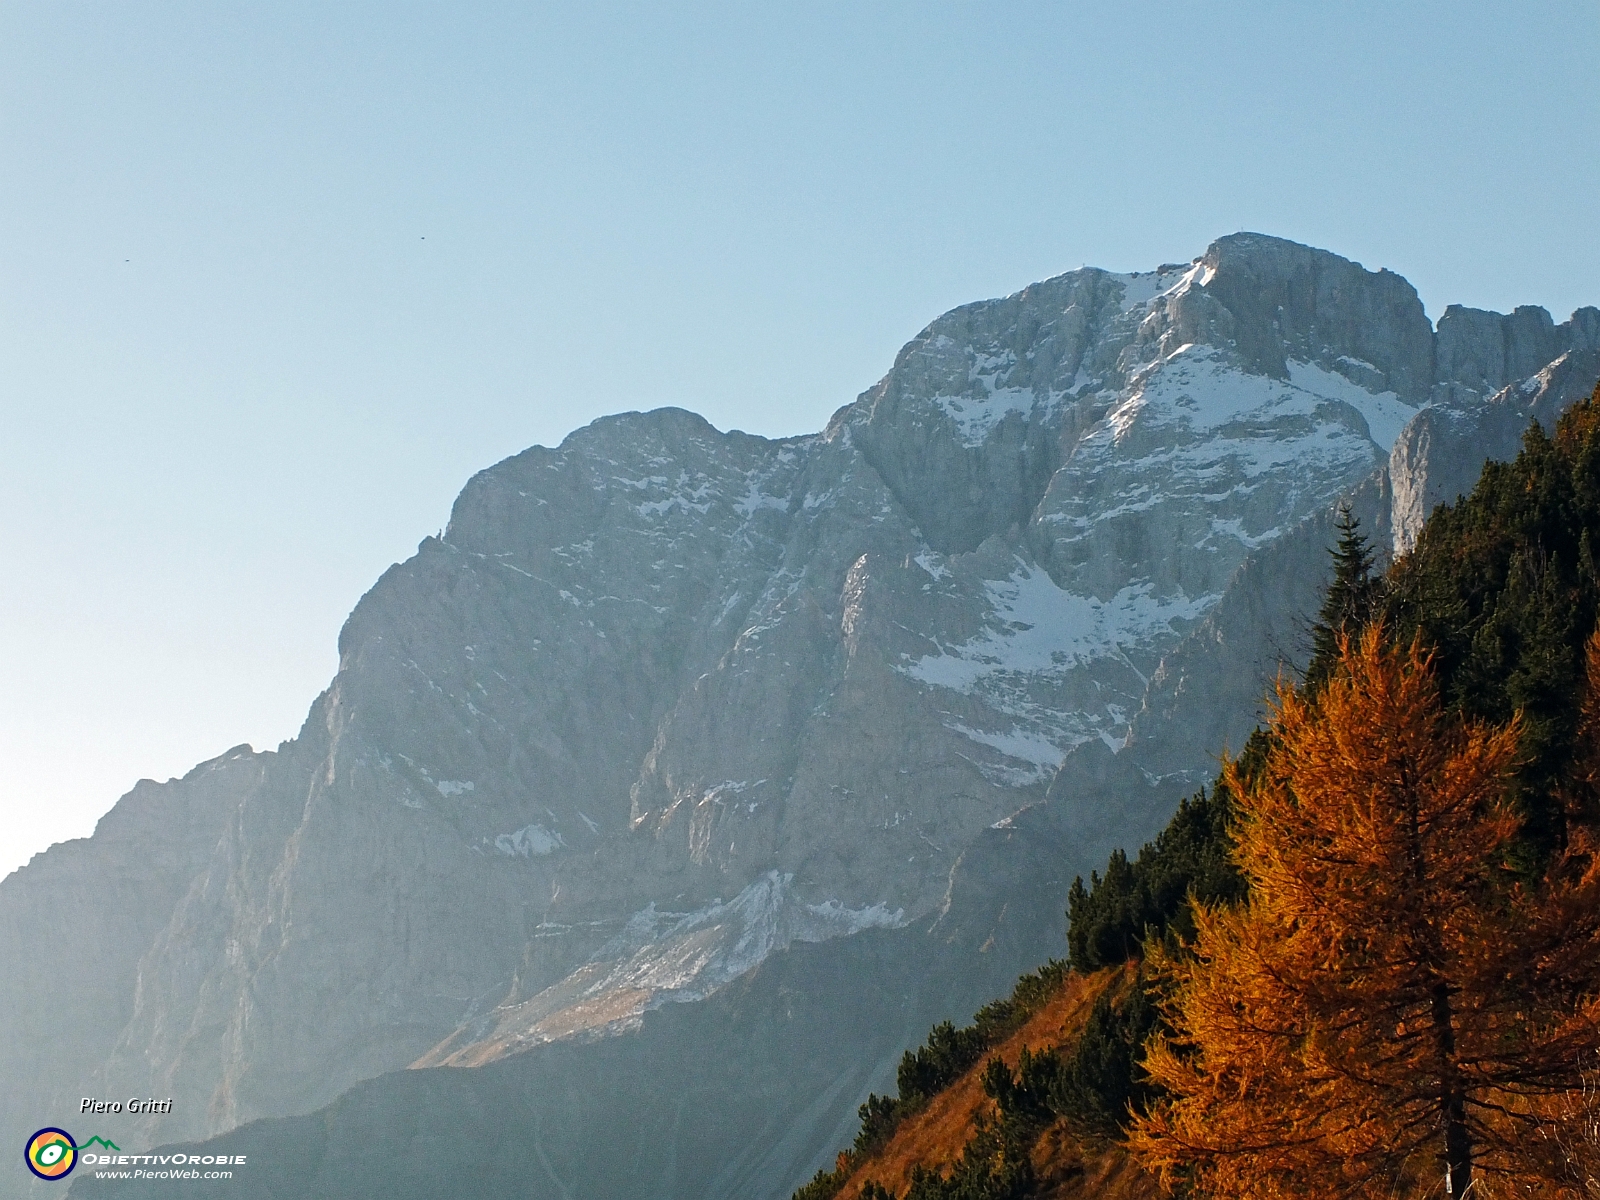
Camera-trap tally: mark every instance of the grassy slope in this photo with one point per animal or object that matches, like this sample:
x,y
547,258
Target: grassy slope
x,y
1068,1166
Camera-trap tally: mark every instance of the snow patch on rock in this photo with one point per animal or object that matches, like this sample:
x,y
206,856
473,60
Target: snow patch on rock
x,y
1142,288
661,958
977,417
1036,626
691,954
1384,412
529,841
1041,753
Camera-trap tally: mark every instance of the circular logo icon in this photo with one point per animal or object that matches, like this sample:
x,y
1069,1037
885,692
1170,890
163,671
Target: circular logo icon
x,y
51,1154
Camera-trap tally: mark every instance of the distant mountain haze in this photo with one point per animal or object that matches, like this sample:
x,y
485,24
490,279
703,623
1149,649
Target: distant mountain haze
x,y
688,776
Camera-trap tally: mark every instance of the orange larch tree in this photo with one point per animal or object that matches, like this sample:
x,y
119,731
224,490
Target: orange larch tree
x,y
1391,1002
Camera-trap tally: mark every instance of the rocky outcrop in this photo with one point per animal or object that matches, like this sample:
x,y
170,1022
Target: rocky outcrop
x,y
1481,352
663,703
1286,303
1439,455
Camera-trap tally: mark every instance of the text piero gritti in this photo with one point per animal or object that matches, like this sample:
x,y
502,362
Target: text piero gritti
x,y
133,1104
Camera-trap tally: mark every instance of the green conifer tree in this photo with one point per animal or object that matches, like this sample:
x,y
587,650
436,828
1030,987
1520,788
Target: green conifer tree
x,y
1352,598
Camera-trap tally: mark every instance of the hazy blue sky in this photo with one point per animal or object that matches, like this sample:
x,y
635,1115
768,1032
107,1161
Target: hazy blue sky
x,y
276,278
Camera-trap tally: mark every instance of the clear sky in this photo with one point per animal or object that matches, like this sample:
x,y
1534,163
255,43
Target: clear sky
x,y
275,279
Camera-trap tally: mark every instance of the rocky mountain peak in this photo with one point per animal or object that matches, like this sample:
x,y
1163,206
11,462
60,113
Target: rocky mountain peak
x,y
1271,302
662,700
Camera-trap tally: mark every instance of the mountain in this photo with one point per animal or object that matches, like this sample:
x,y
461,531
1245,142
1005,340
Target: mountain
x,y
621,777
1501,589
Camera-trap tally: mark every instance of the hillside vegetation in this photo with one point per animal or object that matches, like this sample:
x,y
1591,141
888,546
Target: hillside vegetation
x,y
974,1135
1367,960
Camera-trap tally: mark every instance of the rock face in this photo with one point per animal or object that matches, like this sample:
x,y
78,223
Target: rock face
x,y
665,703
1439,455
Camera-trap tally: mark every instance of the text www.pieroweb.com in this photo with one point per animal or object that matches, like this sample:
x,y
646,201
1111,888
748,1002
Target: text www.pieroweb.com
x,y
162,1166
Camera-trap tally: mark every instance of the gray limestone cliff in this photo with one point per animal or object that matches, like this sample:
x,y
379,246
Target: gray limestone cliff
x,y
667,711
